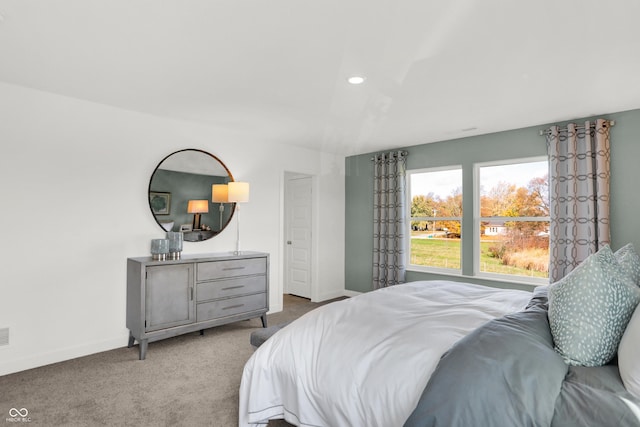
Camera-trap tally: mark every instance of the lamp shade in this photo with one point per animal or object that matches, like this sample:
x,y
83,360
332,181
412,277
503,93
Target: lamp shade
x,y
238,192
198,206
219,193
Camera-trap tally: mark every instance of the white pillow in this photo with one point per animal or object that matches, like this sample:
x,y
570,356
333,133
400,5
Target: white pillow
x,y
629,355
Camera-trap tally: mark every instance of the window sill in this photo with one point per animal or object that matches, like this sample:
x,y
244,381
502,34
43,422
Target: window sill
x,y
512,280
434,270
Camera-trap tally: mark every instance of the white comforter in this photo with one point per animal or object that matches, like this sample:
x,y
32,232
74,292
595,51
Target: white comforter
x,y
365,361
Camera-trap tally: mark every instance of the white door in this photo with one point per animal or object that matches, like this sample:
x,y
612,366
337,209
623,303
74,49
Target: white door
x,y
298,208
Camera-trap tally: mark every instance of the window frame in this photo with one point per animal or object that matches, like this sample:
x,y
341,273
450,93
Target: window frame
x,y
477,220
425,268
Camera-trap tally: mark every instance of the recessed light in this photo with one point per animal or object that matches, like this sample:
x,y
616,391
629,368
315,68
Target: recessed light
x,y
356,80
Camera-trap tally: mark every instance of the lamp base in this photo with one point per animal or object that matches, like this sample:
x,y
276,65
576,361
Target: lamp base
x,y
196,222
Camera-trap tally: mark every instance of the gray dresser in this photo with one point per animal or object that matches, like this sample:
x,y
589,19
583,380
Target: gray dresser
x,y
169,298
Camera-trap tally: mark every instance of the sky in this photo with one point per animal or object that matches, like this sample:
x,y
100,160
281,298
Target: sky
x,y
443,183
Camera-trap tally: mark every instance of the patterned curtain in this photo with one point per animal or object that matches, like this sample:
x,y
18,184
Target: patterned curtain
x,y
389,218
579,194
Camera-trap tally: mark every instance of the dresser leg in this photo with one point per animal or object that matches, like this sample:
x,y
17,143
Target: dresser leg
x,y
131,340
143,348
264,320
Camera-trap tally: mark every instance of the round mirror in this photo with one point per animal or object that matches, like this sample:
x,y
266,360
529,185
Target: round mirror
x,y
184,194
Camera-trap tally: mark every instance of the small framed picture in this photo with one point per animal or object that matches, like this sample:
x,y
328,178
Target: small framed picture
x,y
186,227
160,202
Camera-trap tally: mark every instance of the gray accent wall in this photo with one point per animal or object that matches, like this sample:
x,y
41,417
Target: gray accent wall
x,y
513,144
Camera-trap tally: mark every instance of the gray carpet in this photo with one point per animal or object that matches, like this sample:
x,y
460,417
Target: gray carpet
x,y
187,380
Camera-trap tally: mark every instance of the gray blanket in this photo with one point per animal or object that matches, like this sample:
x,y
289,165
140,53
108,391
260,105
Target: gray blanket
x,y
506,373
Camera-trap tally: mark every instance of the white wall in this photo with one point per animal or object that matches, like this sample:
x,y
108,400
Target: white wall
x,y
73,181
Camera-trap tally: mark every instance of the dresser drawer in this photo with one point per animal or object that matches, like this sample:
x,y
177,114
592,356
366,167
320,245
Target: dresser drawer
x,y
231,287
230,306
230,268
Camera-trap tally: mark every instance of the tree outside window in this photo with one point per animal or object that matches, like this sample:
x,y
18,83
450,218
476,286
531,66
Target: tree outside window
x,y
436,218
513,218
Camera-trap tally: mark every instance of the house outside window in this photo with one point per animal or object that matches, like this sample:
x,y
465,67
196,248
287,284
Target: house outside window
x,y
435,200
512,219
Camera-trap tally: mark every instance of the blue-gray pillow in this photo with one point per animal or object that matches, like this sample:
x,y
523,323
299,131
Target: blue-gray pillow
x,y
629,261
589,310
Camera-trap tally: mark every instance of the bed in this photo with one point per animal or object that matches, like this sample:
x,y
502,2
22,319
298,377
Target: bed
x,y
429,353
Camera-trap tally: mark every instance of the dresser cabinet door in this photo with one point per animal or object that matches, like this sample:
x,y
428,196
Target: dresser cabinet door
x,y
169,296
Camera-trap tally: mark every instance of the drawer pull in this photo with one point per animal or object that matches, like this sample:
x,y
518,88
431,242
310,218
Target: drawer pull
x,y
234,268
233,306
232,287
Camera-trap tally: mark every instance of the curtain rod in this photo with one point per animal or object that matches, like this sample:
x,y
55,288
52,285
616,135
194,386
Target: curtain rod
x,y
394,153
610,122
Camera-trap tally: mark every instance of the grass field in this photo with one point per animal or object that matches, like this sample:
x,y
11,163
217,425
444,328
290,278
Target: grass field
x,y
445,253
441,253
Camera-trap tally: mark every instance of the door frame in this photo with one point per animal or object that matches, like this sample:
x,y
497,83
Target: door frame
x,y
286,177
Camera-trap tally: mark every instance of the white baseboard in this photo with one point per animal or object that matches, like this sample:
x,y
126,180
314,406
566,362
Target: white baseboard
x,y
329,295
348,293
37,360
338,294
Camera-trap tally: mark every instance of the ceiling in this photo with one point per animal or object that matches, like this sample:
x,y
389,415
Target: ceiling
x,y
276,70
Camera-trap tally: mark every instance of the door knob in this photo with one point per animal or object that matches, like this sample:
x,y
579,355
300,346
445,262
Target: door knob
x,y
288,242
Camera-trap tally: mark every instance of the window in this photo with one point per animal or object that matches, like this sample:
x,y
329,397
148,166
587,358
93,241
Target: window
x,y
508,234
436,219
512,219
